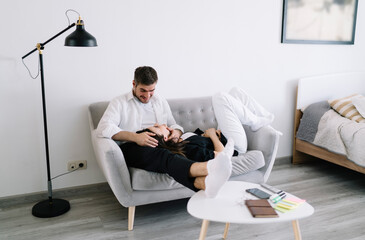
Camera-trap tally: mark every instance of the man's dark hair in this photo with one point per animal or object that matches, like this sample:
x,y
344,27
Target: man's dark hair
x,y
145,75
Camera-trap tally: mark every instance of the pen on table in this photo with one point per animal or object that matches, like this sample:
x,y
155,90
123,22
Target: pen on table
x,y
282,195
277,197
274,197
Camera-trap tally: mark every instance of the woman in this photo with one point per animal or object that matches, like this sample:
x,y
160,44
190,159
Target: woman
x,y
207,173
198,146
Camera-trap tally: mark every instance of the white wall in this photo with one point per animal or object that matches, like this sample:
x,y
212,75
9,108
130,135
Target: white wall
x,y
198,47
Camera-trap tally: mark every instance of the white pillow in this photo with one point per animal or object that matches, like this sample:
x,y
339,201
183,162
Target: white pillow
x,y
359,103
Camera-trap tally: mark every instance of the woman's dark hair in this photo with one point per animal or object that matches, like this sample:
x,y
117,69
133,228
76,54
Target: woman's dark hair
x,y
177,148
145,75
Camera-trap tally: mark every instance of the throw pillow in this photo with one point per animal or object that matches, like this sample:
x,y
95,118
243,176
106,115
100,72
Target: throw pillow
x,y
360,105
346,108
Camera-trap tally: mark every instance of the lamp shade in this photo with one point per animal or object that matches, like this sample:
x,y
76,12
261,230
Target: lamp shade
x,y
80,38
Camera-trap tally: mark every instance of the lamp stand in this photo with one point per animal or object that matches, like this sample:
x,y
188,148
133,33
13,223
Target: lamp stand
x,y
51,207
79,38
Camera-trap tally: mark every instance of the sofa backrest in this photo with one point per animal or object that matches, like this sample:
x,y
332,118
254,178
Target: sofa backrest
x,y
193,113
96,111
190,113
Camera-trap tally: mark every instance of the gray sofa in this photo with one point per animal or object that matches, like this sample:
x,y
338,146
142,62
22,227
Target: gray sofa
x,y
133,187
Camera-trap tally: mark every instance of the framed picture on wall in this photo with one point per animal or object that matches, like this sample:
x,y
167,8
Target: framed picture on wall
x,y
319,21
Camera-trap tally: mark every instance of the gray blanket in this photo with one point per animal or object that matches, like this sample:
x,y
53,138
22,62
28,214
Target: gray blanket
x,y
310,120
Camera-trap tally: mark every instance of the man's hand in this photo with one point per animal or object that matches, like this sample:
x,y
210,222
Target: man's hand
x,y
175,135
146,139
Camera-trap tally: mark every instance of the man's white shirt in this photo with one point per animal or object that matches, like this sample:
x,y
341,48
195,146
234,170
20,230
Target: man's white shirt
x,y
148,114
126,113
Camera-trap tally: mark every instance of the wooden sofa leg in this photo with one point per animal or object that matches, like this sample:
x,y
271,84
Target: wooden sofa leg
x,y
131,211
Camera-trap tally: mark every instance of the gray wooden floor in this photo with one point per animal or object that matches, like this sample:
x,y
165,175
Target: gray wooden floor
x,y
337,194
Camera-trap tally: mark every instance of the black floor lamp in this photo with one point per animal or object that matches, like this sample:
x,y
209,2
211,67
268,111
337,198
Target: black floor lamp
x,y
79,38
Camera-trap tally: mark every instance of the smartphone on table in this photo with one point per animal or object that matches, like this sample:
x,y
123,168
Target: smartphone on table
x,y
258,193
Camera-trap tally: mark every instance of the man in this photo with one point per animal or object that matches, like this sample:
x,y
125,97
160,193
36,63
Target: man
x,y
136,110
140,109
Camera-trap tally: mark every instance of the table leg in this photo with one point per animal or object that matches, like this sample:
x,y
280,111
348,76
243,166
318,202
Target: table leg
x,y
204,229
296,230
226,231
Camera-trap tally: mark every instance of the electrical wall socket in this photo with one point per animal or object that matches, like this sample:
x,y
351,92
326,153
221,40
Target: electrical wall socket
x,y
80,164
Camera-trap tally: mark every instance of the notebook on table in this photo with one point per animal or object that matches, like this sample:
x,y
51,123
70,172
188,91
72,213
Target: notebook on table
x,y
261,208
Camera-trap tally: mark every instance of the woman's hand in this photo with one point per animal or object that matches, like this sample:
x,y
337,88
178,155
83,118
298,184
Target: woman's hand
x,y
212,132
215,136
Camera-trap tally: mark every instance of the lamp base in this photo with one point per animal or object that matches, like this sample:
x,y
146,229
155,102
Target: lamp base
x,y
48,209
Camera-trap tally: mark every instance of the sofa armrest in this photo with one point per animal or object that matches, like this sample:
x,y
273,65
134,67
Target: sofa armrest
x,y
266,140
111,161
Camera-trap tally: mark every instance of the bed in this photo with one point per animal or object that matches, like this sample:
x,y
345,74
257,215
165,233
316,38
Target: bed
x,y
321,89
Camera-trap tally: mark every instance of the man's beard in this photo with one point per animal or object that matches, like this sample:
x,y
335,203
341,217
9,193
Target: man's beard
x,y
139,98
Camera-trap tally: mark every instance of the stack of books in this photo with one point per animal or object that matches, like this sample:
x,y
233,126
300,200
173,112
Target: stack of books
x,y
288,204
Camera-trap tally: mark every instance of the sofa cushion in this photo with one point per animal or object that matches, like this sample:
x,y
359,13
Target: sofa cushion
x,y
145,180
247,162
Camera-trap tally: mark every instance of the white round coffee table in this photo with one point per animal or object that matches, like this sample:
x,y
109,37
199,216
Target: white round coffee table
x,y
229,207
